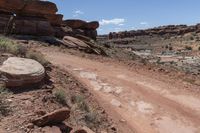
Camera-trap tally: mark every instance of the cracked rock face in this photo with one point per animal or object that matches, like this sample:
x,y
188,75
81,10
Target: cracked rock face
x,y
18,72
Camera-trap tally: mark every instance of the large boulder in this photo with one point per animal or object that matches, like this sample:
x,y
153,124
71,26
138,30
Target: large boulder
x,y
82,27
18,72
74,42
55,19
91,33
75,23
80,24
38,8
32,26
92,25
30,8
55,117
60,31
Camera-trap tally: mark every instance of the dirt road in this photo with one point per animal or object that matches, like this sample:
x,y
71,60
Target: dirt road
x,y
138,102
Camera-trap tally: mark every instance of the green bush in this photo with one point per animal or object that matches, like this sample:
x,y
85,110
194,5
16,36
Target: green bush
x,y
92,118
80,101
61,97
4,105
8,46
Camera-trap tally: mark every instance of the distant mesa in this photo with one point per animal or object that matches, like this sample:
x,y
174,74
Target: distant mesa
x,y
40,18
162,30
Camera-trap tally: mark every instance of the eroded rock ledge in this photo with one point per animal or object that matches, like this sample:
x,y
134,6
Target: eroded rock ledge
x,y
40,18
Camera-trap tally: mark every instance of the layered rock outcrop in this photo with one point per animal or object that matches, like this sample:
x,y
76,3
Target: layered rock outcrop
x,y
39,18
80,24
32,26
28,17
4,20
163,30
75,27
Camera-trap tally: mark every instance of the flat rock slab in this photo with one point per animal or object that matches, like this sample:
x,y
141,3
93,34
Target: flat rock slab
x,y
74,42
55,117
21,71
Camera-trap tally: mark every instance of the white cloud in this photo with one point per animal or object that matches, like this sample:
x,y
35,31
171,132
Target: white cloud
x,y
121,24
115,21
133,28
117,29
144,23
77,13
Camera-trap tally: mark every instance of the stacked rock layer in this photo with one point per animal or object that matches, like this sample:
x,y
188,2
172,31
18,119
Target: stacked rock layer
x,y
40,18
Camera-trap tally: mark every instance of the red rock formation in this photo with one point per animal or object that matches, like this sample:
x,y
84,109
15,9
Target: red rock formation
x,y
4,20
32,26
82,27
30,8
38,8
11,5
74,23
55,19
163,30
39,18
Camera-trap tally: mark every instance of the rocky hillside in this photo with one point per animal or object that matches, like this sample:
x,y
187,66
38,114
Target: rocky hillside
x,y
36,96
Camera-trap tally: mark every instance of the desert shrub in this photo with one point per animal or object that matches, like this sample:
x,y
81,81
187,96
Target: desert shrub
x,y
4,105
38,57
84,106
143,61
77,98
60,97
92,118
80,101
188,47
8,46
22,50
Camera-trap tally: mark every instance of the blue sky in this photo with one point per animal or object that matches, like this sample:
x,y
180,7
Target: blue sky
x,y
120,15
